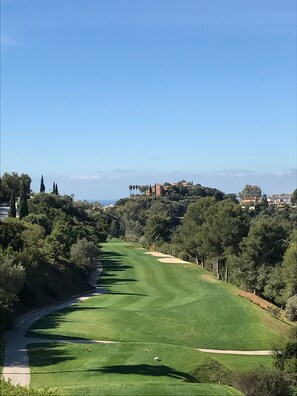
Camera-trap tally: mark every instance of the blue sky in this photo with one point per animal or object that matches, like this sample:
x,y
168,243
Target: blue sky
x,y
100,94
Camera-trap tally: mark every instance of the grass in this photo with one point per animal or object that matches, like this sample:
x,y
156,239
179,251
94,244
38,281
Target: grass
x,y
166,308
114,369
150,301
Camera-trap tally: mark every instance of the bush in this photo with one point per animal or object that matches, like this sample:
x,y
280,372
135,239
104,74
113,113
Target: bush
x,y
285,356
291,308
212,371
7,389
275,311
262,382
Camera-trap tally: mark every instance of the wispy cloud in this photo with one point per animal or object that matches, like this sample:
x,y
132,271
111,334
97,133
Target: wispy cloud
x,y
8,41
87,177
235,172
123,171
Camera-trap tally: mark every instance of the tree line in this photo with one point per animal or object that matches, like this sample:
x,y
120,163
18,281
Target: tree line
x,y
255,250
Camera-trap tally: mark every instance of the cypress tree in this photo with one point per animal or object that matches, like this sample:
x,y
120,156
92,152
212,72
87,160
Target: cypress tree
x,y
42,186
23,206
54,188
12,208
57,192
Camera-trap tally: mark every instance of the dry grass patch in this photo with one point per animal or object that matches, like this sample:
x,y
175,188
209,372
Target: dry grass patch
x,y
255,299
209,278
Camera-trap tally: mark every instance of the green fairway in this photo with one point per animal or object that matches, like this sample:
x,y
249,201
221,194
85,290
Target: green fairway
x,y
96,367
166,309
150,301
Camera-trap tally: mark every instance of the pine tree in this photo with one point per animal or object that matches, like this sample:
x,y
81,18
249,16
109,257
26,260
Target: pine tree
x,y
42,186
12,208
23,206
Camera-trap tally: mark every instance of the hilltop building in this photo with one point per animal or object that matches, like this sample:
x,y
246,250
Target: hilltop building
x,y
275,200
162,189
279,200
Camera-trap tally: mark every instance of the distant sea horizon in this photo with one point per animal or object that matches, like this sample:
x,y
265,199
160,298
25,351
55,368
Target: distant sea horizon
x,y
103,202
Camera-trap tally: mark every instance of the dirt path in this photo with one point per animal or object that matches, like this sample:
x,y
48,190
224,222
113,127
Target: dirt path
x,y
16,360
232,352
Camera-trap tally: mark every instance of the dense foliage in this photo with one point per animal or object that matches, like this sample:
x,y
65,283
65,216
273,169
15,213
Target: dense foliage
x,y
49,250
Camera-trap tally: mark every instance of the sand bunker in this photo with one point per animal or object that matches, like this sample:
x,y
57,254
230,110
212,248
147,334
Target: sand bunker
x,y
172,260
157,254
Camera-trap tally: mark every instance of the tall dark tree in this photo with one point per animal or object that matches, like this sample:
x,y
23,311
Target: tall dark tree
x,y
42,186
54,187
294,197
12,208
23,206
56,190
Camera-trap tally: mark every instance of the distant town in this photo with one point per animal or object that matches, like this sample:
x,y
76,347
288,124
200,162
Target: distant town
x,y
250,201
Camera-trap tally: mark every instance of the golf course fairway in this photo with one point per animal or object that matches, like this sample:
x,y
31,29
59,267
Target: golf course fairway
x,y
150,309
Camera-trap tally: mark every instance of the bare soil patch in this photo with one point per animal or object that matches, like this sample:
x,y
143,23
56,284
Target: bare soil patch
x,y
255,299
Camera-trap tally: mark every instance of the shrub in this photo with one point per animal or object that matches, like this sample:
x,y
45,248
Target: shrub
x,y
213,372
262,382
7,389
291,308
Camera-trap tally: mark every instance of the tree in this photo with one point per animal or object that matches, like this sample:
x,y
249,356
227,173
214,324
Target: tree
x,y
12,208
84,253
250,191
12,181
261,251
42,186
143,189
23,206
11,281
54,188
156,229
294,197
264,201
285,356
289,267
291,309
130,188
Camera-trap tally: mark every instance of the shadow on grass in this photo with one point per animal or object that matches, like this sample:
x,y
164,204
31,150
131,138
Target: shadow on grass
x,y
112,264
53,320
135,369
42,355
127,294
148,370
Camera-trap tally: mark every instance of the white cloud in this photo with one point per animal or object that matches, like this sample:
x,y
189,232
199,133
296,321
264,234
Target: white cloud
x,y
87,177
